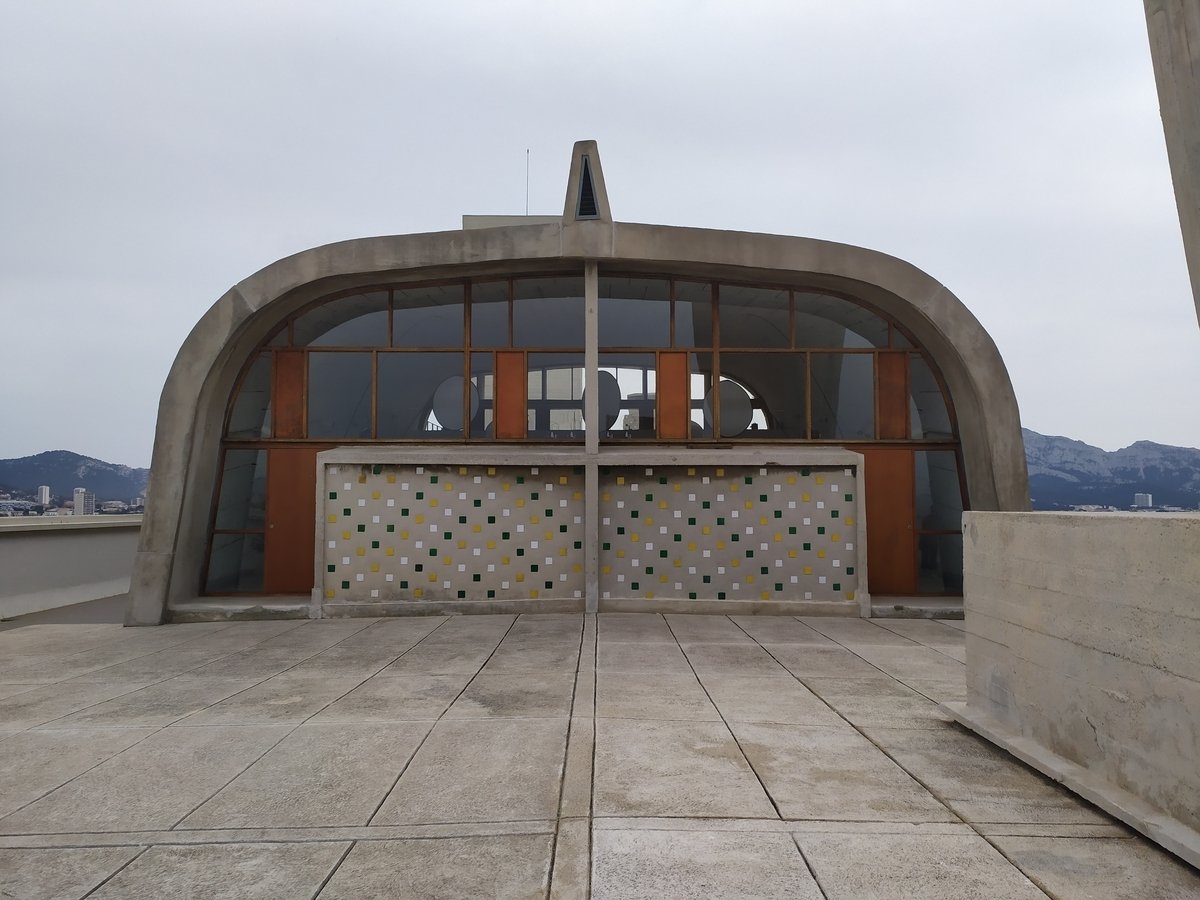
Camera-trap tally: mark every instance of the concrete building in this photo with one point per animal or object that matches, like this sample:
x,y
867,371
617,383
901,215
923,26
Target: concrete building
x,y
84,502
43,495
408,424
1143,501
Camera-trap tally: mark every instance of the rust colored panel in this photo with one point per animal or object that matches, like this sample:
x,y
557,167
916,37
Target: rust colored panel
x,y
891,543
674,404
287,394
291,520
512,389
893,396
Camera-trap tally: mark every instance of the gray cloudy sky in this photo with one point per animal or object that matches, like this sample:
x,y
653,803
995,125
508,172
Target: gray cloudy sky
x,y
154,153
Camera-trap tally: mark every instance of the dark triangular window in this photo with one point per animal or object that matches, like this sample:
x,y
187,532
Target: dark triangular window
x,y
587,208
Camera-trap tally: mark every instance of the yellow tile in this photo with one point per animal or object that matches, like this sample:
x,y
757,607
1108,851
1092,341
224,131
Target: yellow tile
x,y
749,504
520,576
505,486
749,579
691,471
820,479
676,488
562,551
345,535
678,563
778,536
433,576
662,504
332,520
604,570
662,579
835,538
361,551
374,495
735,563
533,595
720,545
419,519
447,486
620,554
549,535
634,537
534,520
691,546
606,497
391,551
462,545
362,478
849,595
329,595
849,521
504,560
648,520
404,535
649,595
820,554
578,495
791,479
491,470
806,497
562,479
620,479
765,596
734,487
374,567
762,520
808,570
791,554
476,528
433,502
391,479
462,470
720,473
447,561
521,503
706,530
418,593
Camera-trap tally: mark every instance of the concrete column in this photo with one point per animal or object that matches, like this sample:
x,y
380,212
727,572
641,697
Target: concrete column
x,y
1174,30
591,416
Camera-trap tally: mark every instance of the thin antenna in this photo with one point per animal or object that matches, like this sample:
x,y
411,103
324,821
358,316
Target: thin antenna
x,y
526,181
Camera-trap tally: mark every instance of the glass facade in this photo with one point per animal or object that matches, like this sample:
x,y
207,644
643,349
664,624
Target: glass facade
x,y
687,360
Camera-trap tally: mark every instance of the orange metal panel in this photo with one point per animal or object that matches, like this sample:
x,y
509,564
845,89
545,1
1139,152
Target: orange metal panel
x,y
512,389
893,396
287,394
674,404
891,543
291,520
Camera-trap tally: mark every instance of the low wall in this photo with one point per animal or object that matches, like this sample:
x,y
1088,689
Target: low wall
x,y
50,562
1083,657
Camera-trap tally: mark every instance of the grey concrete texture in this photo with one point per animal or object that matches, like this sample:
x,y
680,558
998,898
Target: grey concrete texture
x,y
1104,693
602,781
167,567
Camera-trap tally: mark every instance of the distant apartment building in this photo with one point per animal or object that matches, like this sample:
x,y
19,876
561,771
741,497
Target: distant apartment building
x,y
1143,501
43,495
85,502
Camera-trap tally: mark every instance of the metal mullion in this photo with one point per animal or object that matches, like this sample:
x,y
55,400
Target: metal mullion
x,y
808,436
374,393
671,300
466,351
715,301
791,319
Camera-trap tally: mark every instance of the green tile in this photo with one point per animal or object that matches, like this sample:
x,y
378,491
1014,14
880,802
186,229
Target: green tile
x,y
735,537
837,586
505,536
447,535
805,471
362,528
807,546
692,595
462,520
420,495
708,579
404,585
578,545
374,545
477,503
762,498
533,567
678,538
649,570
764,571
562,529
520,479
662,554
491,595
749,479
633,585
331,568
404,511
333,495
606,545
433,551
720,595
791,529
849,497
433,479
849,570
419,567
520,551
749,554
549,513
662,481
692,520
705,504
462,595
391,529
720,520
475,577
375,470
549,585
346,511
820,529
620,529
649,498
491,520
833,514
345,585
534,495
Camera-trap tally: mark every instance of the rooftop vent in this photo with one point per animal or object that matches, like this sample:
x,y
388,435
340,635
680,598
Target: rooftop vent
x,y
587,209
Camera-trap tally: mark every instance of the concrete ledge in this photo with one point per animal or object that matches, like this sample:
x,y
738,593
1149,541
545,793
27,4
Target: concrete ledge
x,y
234,610
729,607
916,607
1132,810
453,607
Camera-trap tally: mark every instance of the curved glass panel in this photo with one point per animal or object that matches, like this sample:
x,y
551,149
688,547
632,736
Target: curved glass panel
x,y
250,418
413,388
825,321
339,395
939,496
428,316
929,417
489,314
235,564
359,320
242,504
693,314
843,396
777,383
754,317
548,312
634,312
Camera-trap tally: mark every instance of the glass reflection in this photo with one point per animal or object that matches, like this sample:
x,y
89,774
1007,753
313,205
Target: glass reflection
x,y
359,320
413,389
242,504
339,395
825,321
250,418
428,316
754,317
776,382
843,396
634,312
548,312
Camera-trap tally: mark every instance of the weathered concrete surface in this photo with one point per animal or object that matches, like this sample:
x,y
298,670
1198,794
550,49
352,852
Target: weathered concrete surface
x,y
1174,29
551,783
1082,637
53,562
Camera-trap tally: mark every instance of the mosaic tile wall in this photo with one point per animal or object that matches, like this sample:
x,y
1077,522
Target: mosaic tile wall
x,y
453,533
735,533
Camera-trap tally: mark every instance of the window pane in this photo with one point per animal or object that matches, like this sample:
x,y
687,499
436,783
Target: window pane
x,y
843,396
250,417
939,497
235,564
359,320
420,395
929,416
941,563
339,395
635,312
548,312
556,395
775,382
243,500
700,383
627,395
428,316
489,314
693,314
753,317
483,381
825,321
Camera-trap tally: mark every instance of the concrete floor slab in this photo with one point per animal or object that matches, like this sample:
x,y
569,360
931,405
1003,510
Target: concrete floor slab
x,y
34,763
914,663
912,867
48,703
706,630
1102,869
635,695
640,628
347,662
528,694
641,656
509,866
742,698
152,785
399,698
319,775
524,656
673,769
979,781
830,661
226,872
780,630
251,664
59,874
286,699
834,773
159,704
10,690
481,770
731,659
879,703
855,632
648,865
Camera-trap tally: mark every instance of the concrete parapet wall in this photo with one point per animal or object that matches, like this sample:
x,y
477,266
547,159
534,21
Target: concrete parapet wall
x,y
46,563
1083,632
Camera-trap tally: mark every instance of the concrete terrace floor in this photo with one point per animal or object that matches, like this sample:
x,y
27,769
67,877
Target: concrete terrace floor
x,y
616,756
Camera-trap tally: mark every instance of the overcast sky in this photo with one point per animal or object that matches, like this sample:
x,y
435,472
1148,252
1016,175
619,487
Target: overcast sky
x,y
154,153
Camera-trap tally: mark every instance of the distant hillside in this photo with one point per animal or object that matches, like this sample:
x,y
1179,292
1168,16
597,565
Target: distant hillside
x,y
64,471
1064,472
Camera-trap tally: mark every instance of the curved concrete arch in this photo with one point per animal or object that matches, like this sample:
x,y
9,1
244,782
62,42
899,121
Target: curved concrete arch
x,y
167,569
